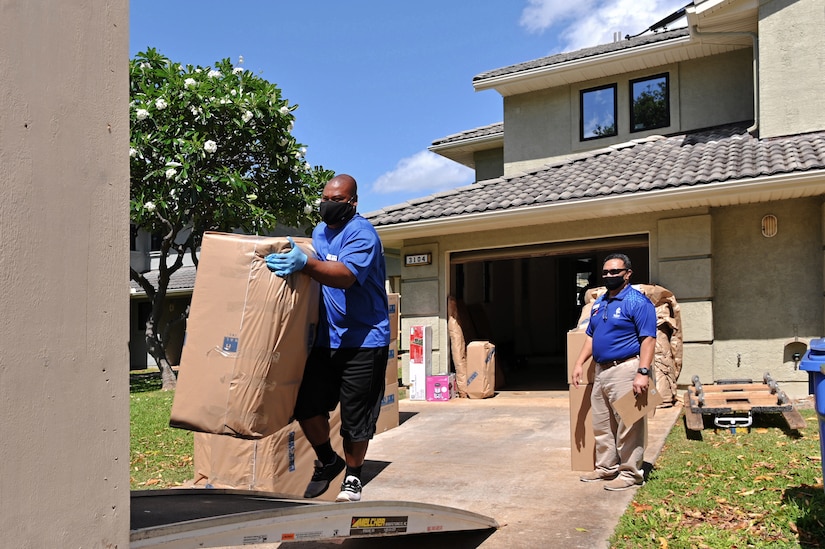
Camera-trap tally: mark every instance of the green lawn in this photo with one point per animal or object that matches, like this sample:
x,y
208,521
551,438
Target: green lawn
x,y
161,456
757,487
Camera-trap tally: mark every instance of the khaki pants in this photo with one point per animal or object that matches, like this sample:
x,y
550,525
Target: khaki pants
x,y
619,447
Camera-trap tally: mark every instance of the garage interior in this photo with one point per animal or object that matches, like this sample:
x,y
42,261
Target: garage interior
x,y
525,299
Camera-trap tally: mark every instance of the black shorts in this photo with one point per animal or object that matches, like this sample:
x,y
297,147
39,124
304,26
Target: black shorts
x,y
353,377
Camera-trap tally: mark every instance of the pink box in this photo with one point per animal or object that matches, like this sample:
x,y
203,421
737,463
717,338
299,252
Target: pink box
x,y
440,388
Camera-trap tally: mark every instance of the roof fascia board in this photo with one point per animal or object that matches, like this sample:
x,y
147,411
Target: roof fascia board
x,y
579,64
477,143
723,193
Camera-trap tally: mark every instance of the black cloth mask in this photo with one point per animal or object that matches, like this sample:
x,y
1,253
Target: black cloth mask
x,y
613,282
334,213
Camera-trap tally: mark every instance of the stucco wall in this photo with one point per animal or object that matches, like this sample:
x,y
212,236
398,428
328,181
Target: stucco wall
x,y
544,125
767,291
64,221
792,62
489,164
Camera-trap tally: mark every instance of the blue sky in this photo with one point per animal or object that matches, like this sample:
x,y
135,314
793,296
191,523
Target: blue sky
x,y
377,81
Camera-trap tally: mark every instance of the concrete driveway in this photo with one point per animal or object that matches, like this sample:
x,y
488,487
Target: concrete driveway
x,y
506,457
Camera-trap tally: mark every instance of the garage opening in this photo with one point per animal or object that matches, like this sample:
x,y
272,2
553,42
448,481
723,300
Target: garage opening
x,y
525,299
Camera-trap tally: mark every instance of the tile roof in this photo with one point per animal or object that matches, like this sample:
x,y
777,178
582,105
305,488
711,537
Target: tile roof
x,y
182,280
491,130
584,53
720,154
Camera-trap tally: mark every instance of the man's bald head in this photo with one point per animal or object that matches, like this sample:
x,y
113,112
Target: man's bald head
x,y
341,186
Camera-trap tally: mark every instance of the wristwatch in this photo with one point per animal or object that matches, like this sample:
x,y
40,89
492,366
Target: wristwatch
x,y
644,371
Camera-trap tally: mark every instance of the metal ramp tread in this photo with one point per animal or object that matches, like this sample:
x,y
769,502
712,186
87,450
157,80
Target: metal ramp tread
x,y
201,517
729,400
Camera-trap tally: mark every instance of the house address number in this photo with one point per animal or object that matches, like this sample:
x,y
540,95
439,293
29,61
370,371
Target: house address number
x,y
418,259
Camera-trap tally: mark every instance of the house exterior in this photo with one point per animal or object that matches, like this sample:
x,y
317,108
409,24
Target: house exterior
x,y
698,151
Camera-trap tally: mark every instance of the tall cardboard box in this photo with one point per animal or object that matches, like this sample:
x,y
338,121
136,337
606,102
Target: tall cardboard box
x,y
392,364
389,417
421,357
575,342
394,306
248,336
481,370
582,441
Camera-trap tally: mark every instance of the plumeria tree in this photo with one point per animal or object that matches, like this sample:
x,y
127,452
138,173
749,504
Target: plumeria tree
x,y
211,149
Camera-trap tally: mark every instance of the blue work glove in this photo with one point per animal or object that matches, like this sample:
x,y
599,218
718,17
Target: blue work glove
x,y
286,264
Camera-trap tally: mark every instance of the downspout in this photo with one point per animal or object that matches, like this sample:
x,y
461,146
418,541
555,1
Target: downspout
x,y
694,30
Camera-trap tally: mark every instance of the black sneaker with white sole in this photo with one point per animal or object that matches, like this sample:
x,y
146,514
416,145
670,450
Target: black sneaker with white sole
x,y
323,475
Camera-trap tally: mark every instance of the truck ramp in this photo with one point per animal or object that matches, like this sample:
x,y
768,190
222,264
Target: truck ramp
x,y
204,517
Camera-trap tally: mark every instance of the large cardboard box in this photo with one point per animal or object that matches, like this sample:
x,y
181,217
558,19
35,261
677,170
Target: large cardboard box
x,y
575,342
582,441
394,305
481,370
392,363
247,339
388,418
280,463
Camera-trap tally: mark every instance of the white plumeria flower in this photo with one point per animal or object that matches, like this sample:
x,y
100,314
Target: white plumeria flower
x,y
303,151
171,172
224,101
160,103
173,193
237,70
210,146
307,167
189,82
195,110
252,197
214,74
233,93
283,141
284,110
150,206
247,116
308,209
173,164
142,114
145,65
199,70
297,154
291,125
132,152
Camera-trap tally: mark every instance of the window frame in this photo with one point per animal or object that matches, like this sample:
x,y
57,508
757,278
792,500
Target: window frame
x,y
631,101
615,87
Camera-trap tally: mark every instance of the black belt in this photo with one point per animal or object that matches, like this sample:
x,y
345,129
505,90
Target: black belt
x,y
611,363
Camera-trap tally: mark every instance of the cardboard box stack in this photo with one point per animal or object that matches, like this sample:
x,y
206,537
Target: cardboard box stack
x,y
248,336
582,441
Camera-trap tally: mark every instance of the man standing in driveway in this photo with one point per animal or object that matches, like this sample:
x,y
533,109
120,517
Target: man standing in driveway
x,y
622,341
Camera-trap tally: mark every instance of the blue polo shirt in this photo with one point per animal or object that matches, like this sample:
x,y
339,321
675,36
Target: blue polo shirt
x,y
618,324
358,316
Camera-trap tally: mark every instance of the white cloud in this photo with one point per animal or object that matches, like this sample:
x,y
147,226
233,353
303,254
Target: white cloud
x,y
584,23
423,173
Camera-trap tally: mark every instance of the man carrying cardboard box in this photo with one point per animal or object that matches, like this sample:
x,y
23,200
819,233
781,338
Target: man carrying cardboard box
x,y
621,338
349,359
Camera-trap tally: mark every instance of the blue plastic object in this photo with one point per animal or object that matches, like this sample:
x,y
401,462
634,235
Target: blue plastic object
x,y
814,363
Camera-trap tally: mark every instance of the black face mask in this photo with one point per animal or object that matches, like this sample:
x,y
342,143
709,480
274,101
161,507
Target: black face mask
x,y
613,282
334,213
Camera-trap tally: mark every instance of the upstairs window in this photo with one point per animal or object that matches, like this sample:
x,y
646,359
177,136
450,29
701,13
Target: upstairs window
x,y
649,103
598,112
